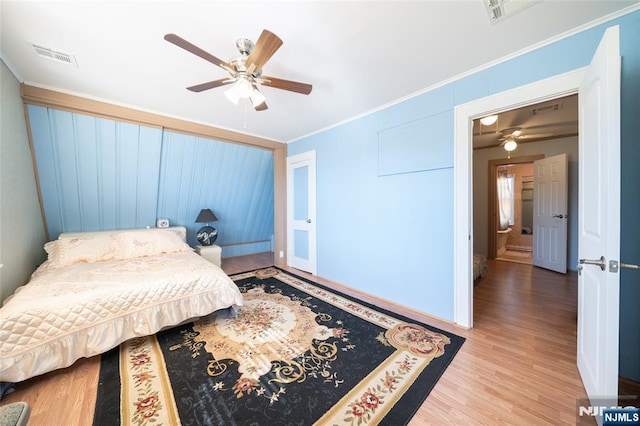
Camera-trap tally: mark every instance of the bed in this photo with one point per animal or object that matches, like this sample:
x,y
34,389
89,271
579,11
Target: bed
x,y
98,289
479,266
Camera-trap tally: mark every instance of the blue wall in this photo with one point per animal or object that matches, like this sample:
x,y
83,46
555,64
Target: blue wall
x,y
392,235
235,181
99,174
376,232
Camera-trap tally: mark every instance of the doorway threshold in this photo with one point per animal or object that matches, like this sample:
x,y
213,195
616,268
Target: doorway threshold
x,y
516,257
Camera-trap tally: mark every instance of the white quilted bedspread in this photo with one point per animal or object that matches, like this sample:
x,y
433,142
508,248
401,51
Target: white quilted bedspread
x,y
65,313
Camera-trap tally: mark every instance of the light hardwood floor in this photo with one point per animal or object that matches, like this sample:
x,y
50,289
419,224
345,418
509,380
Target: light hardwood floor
x,y
518,365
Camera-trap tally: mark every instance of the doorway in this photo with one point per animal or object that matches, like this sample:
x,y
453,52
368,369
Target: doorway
x,y
599,151
516,244
559,86
518,136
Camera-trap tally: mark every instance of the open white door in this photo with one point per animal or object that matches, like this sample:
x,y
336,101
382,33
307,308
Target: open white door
x,y
599,220
550,213
301,211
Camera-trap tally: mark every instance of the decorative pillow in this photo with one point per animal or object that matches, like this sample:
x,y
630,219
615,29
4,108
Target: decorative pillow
x,y
147,242
83,249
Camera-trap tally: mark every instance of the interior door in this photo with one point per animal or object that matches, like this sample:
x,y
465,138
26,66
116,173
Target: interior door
x,y
550,213
301,211
599,220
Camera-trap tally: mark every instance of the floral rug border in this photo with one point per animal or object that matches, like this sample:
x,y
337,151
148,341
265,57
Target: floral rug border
x,y
146,391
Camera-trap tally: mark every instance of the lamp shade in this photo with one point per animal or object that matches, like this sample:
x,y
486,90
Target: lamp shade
x,y
206,216
257,98
232,94
244,87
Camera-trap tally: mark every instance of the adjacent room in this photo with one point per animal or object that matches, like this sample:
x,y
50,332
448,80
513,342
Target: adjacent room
x,y
319,212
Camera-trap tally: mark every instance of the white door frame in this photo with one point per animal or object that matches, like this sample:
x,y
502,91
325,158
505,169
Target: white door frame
x,y
551,88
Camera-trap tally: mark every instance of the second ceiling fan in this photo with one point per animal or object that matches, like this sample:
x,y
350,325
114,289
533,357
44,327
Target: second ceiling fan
x,y
245,70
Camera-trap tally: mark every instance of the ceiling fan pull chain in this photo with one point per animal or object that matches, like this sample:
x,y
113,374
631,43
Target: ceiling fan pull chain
x,y
244,106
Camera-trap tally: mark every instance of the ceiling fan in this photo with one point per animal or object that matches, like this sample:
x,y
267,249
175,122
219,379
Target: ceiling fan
x,y
511,137
245,70
517,133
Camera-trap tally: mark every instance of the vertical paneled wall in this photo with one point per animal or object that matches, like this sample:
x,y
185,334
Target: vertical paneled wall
x,y
99,174
94,173
234,181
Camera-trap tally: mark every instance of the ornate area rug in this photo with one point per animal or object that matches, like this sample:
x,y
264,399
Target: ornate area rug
x,y
296,354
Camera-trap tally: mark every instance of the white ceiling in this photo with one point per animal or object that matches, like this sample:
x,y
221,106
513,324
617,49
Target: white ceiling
x,y
359,56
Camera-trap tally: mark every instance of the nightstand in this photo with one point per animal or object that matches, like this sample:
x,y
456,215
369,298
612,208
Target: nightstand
x,y
212,253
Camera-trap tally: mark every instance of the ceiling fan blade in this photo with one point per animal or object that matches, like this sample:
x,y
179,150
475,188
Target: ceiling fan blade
x,y
535,135
180,42
209,85
262,107
292,86
265,47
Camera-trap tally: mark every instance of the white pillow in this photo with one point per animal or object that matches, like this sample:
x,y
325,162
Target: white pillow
x,y
147,242
82,249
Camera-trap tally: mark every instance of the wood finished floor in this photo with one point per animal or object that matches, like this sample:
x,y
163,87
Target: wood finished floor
x,y
518,365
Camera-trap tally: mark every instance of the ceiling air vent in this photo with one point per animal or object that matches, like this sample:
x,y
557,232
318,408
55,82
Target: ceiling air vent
x,y
546,108
54,55
499,10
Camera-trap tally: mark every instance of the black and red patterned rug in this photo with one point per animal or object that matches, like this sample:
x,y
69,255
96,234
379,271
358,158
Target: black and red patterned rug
x,y
297,353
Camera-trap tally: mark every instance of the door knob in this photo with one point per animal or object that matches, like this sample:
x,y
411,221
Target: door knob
x,y
600,262
308,220
560,216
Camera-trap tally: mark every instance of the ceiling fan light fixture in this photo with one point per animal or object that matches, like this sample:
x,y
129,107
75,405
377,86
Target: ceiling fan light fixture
x,y
510,145
232,94
489,120
244,87
245,70
257,98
